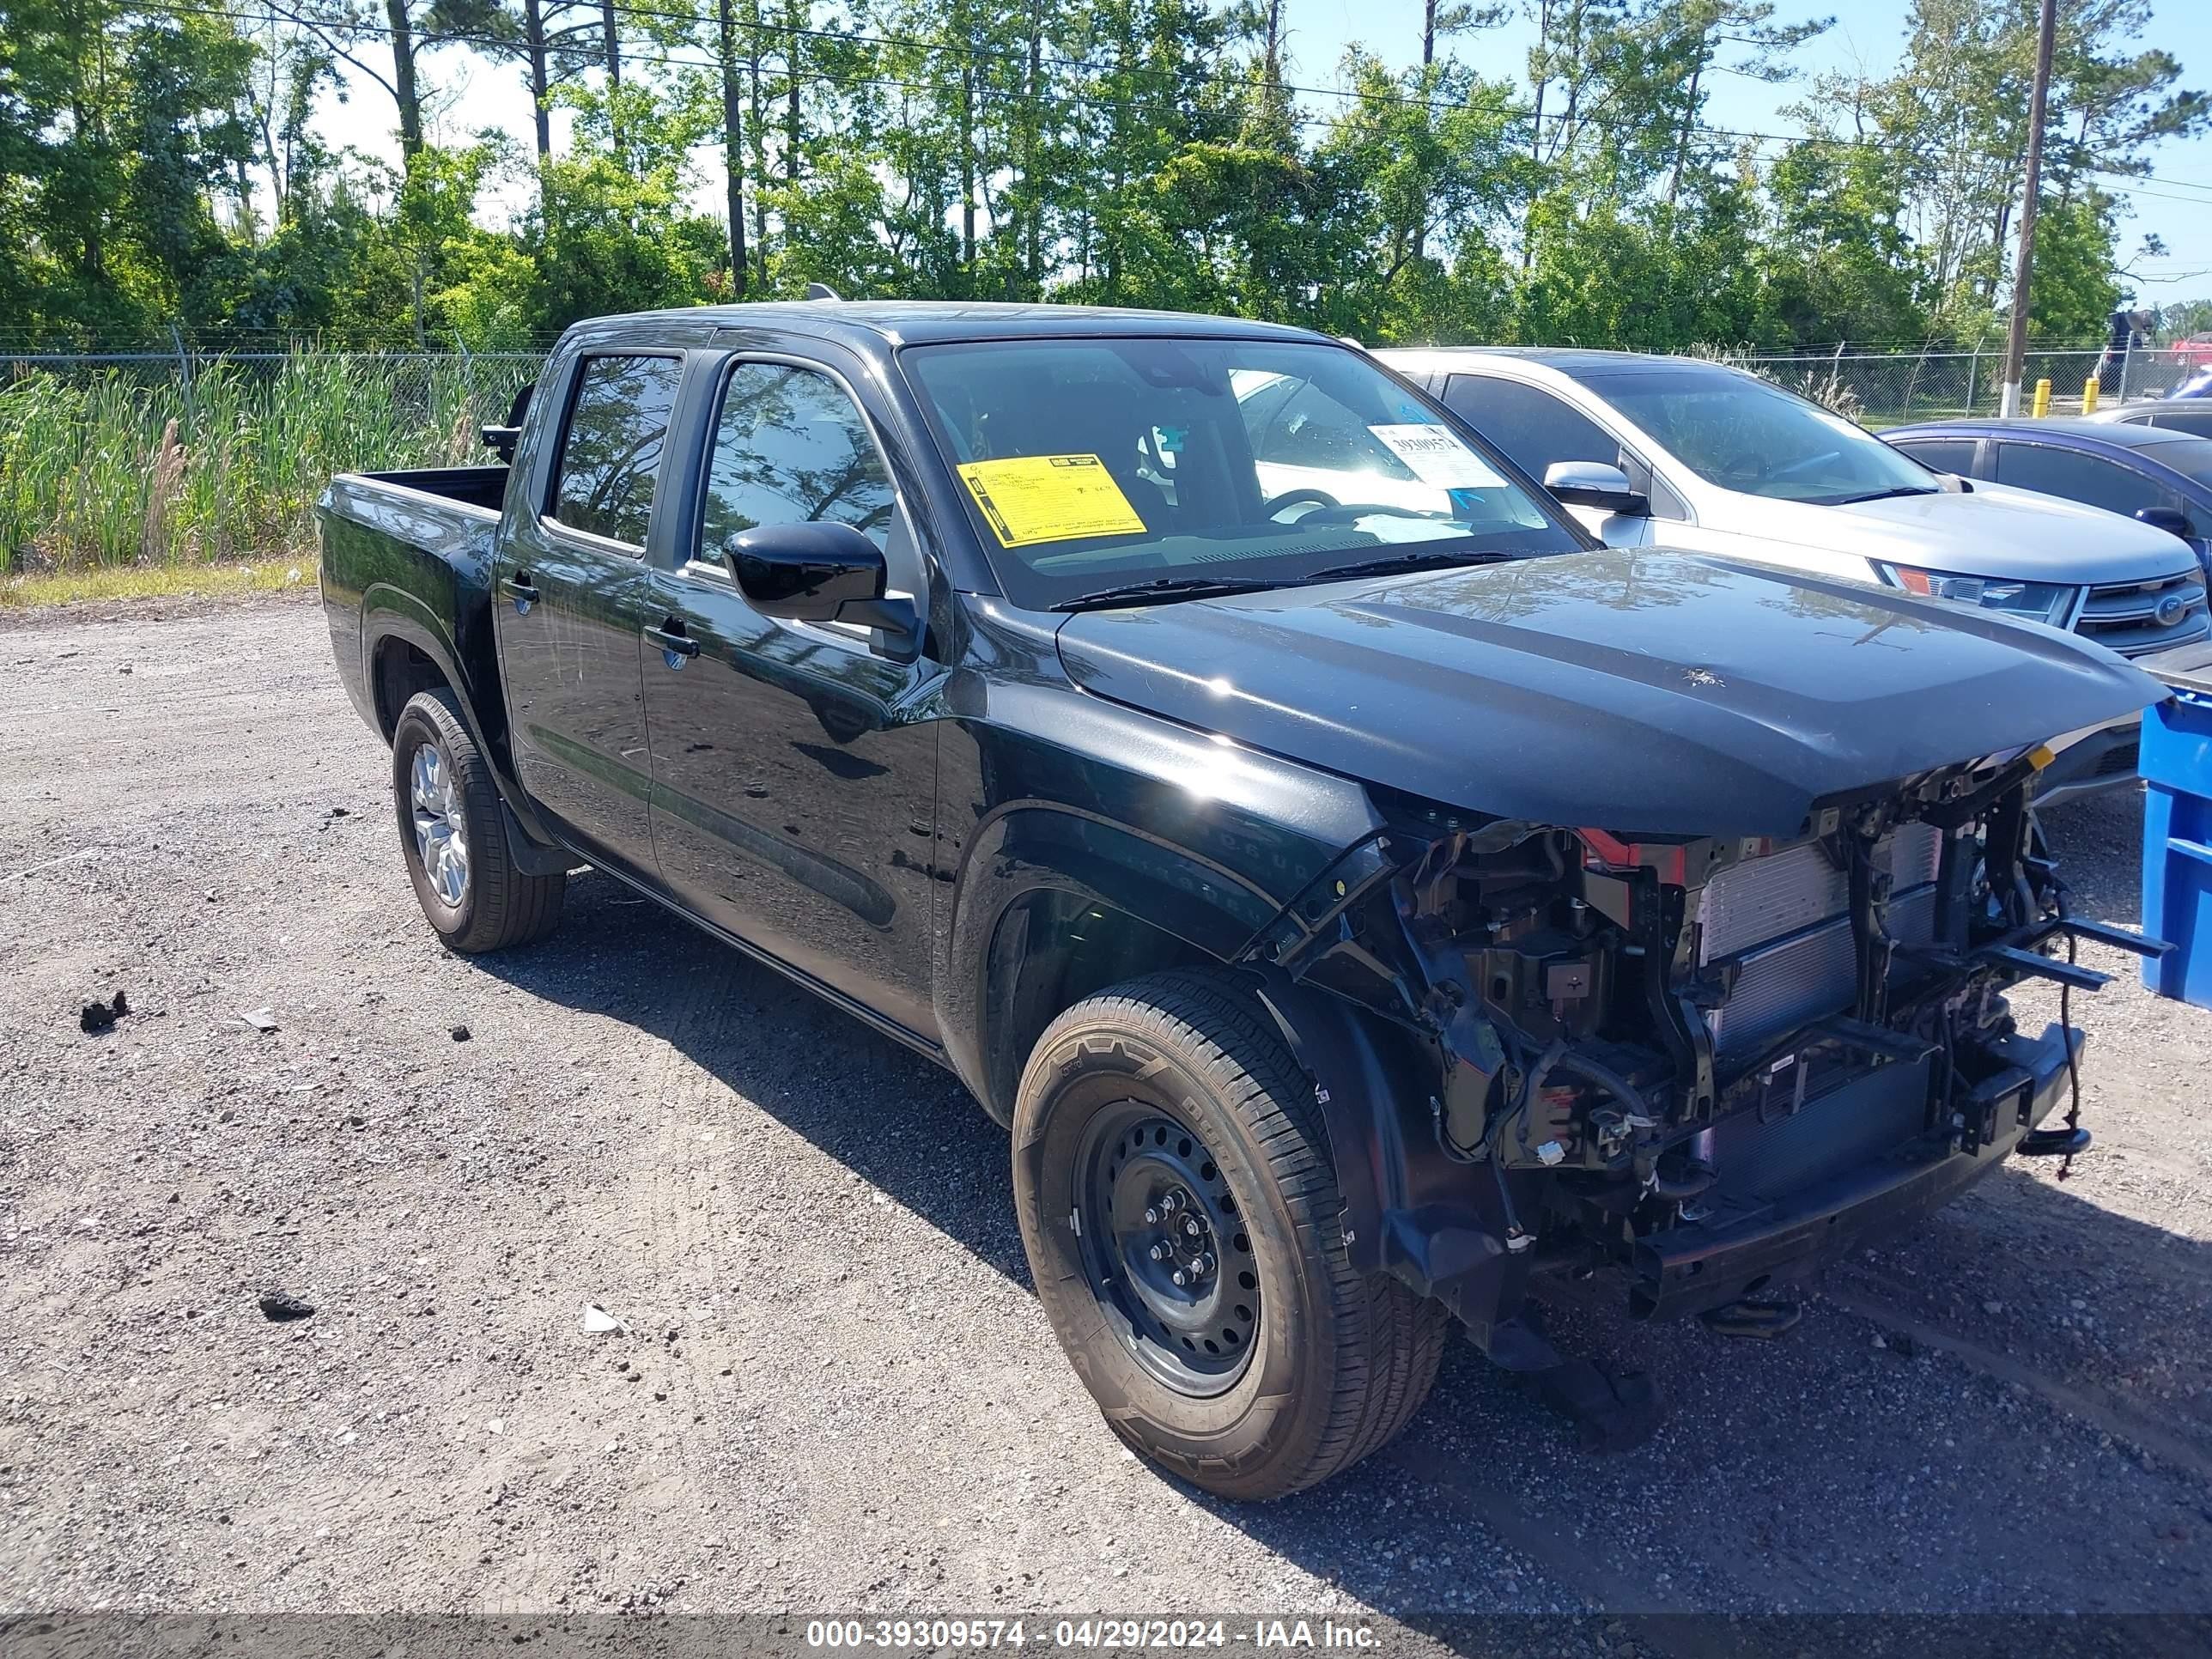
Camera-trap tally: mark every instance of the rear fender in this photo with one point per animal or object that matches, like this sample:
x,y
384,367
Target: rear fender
x,y
392,615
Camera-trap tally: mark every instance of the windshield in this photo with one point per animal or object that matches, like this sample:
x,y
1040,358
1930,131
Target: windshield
x,y
1739,432
1091,466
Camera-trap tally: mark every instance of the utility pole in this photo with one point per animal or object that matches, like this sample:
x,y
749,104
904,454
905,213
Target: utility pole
x,y
2016,344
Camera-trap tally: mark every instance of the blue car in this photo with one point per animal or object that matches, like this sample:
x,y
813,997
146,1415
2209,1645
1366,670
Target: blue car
x,y
2161,475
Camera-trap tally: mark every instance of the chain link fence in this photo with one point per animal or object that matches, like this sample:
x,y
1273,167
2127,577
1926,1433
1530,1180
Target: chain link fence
x,y
1885,389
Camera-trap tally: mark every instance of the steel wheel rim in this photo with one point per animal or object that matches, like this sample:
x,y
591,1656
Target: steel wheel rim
x,y
1154,1204
441,843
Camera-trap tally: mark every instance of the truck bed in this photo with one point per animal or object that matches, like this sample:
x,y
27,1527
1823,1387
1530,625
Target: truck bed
x,y
409,555
481,487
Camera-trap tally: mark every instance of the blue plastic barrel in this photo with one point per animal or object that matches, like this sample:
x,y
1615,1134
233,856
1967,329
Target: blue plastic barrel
x,y
2177,869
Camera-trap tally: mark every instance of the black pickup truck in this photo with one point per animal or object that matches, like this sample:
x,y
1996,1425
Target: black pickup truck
x,y
1363,897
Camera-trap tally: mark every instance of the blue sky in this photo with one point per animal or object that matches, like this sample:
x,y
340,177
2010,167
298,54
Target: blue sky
x,y
1868,38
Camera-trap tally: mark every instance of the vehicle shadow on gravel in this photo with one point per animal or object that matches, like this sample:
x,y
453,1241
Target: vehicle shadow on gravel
x,y
1831,1470
907,1127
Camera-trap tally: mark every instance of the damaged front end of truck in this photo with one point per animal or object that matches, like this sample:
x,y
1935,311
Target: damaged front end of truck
x,y
1699,1067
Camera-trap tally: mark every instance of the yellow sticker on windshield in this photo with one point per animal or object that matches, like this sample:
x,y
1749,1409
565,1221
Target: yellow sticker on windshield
x,y
1029,499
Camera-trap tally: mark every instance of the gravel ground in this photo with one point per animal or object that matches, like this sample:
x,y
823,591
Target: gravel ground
x,y
836,1390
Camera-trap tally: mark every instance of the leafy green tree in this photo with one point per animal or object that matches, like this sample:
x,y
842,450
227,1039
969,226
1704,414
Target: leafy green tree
x,y
614,230
2072,289
2184,318
121,130
1421,174
1836,263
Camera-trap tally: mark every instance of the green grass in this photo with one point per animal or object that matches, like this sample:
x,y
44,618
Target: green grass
x,y
31,591
109,469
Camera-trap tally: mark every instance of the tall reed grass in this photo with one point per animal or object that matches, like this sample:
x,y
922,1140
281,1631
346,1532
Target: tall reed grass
x,y
112,465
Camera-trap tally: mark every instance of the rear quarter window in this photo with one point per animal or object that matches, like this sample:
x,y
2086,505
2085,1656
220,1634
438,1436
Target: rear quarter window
x,y
612,445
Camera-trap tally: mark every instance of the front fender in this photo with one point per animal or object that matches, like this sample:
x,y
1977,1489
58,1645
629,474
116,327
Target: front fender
x,y
1044,789
1037,848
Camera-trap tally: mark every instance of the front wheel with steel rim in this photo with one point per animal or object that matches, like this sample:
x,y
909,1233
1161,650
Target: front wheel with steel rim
x,y
453,837
1162,1246
1180,1215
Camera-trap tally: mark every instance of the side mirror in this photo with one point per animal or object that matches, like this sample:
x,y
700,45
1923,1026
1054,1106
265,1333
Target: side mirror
x,y
1594,483
502,440
2172,520
820,572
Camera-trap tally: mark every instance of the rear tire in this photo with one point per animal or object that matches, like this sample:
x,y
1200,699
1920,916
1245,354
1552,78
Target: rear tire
x,y
1177,1086
453,836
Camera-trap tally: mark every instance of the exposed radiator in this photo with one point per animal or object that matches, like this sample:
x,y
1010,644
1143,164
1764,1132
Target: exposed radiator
x,y
1787,919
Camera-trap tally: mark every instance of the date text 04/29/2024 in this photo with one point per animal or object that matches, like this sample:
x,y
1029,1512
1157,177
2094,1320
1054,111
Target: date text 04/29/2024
x,y
896,1635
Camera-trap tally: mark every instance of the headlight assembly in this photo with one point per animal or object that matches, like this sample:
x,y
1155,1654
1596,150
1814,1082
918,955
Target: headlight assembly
x,y
2043,602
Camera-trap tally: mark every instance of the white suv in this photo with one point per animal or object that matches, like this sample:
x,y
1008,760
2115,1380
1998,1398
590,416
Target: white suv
x,y
1684,453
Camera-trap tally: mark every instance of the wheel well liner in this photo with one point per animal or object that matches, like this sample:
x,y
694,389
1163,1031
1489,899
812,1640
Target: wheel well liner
x,y
399,669
1409,1209
1035,868
1052,948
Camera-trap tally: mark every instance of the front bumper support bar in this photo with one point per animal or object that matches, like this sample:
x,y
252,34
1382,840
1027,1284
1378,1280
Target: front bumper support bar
x,y
1697,1266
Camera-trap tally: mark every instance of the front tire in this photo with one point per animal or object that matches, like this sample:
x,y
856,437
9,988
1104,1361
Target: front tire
x,y
1181,1216
455,836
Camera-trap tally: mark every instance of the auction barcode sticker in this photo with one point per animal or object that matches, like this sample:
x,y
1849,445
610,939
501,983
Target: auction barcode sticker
x,y
1437,457
1027,499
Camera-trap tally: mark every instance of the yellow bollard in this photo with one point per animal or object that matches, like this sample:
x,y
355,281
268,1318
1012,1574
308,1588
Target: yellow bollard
x,y
2042,404
2089,396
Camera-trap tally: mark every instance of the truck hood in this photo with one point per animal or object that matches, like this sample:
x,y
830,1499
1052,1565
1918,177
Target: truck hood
x,y
1994,530
1624,688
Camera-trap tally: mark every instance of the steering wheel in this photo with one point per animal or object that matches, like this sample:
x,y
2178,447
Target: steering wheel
x,y
1275,504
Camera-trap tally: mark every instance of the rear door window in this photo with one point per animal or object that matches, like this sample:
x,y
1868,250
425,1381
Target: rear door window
x,y
2089,479
610,450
